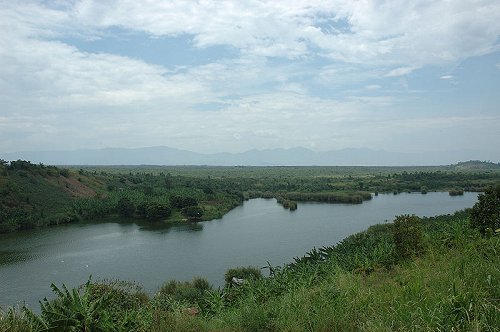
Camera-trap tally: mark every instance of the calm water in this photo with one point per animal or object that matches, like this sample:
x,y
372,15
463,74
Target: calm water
x,y
252,234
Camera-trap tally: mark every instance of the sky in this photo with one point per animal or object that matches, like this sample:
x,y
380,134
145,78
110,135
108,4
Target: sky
x,y
230,76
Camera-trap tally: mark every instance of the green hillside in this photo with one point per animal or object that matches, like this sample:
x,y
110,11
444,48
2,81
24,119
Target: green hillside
x,y
38,195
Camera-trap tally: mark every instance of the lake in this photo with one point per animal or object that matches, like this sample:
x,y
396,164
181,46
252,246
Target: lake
x,y
254,233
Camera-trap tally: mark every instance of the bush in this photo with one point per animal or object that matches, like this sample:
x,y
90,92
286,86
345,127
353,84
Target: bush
x,y
72,310
485,215
242,272
64,172
185,291
180,202
456,192
193,212
14,319
125,208
122,295
157,211
408,236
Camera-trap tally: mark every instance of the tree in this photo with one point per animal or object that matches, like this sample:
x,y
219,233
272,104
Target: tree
x,y
193,212
485,214
180,202
157,211
125,208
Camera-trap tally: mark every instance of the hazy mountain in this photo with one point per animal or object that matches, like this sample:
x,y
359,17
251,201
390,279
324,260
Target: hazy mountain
x,y
162,155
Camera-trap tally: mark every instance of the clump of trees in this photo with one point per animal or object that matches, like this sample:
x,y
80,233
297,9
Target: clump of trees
x,y
193,213
286,203
182,201
125,207
154,210
456,192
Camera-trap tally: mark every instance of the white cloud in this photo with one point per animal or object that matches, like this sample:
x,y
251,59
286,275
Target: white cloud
x,y
351,31
58,75
400,71
446,77
51,91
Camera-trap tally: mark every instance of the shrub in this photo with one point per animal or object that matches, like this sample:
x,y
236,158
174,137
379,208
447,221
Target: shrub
x,y
157,211
408,236
125,208
14,319
72,310
201,284
122,295
485,214
456,192
185,291
242,272
193,212
125,301
64,172
179,202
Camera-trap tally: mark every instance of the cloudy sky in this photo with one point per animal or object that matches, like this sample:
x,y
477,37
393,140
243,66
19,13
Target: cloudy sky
x,y
212,76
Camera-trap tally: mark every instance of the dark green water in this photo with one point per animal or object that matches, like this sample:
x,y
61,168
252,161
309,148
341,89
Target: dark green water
x,y
252,234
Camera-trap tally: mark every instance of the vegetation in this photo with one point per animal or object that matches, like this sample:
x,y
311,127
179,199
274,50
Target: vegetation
x,y
246,273
434,273
485,215
125,207
456,192
286,203
38,195
408,238
174,292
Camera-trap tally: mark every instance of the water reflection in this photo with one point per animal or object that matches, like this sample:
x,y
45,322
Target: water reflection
x,y
13,256
194,227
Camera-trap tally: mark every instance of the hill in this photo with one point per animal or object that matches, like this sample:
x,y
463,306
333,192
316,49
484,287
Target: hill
x,y
476,165
37,195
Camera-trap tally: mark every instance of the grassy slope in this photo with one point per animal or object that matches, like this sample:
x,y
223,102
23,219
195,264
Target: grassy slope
x,y
43,197
453,286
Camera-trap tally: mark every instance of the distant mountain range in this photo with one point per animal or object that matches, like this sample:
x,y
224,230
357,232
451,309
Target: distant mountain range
x,y
162,155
